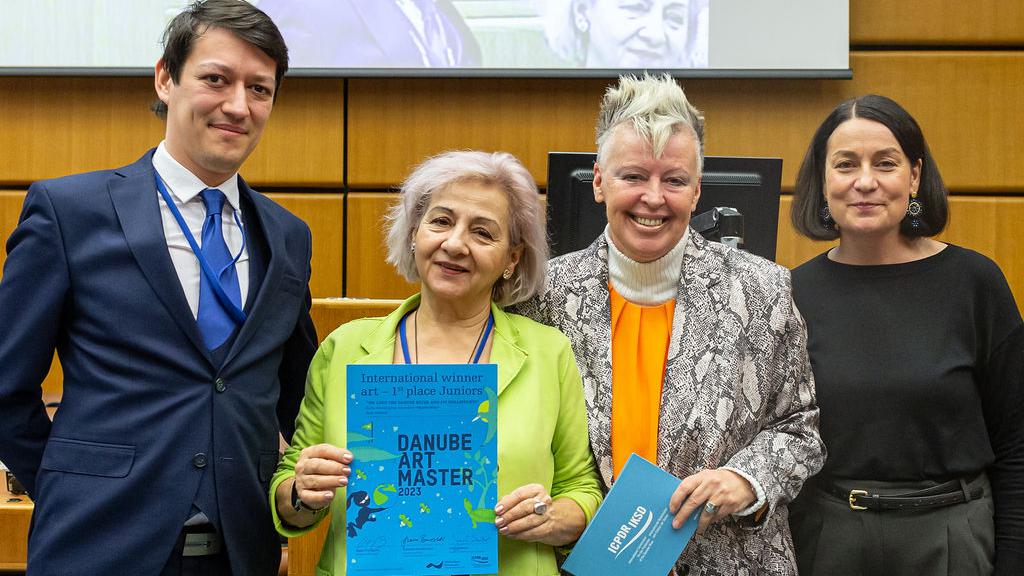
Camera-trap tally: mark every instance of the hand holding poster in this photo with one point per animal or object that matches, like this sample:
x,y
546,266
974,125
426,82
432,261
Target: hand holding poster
x,y
424,480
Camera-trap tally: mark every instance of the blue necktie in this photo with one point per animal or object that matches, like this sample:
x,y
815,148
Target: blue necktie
x,y
215,324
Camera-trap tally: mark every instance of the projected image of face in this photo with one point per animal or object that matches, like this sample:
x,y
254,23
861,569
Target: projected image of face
x,y
636,33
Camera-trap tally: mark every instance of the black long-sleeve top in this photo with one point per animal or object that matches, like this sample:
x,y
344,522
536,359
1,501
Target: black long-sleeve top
x,y
919,369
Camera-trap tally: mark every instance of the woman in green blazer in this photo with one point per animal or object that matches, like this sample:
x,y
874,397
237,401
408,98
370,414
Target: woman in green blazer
x,y
469,227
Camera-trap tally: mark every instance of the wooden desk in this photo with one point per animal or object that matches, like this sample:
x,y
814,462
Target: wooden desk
x,y
15,513
329,313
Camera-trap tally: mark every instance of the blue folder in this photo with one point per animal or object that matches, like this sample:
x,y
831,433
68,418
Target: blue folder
x,y
632,534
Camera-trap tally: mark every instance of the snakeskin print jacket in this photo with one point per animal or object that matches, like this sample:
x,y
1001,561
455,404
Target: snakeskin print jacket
x,y
738,388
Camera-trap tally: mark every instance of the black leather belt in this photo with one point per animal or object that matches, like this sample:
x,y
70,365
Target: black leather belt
x,y
946,494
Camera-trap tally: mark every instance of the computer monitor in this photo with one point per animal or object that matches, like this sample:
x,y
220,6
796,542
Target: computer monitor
x,y
749,185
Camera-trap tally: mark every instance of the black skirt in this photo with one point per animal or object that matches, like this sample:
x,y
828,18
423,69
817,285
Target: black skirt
x,y
832,539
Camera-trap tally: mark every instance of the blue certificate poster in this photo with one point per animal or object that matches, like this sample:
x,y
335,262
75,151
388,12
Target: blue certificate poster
x,y
424,482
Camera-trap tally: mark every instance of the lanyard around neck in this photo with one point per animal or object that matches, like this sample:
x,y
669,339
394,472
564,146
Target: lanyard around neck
x,y
236,313
476,356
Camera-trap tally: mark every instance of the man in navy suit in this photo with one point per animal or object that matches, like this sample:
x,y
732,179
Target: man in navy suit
x,y
177,300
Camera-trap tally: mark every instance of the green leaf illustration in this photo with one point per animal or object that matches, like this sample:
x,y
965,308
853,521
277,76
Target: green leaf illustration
x,y
478,515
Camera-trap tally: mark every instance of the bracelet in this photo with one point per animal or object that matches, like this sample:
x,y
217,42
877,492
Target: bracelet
x,y
298,504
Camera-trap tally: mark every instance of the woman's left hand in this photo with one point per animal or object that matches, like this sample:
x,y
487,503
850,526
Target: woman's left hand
x,y
528,513
727,490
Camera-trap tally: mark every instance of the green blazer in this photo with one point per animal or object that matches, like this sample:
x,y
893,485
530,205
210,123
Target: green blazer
x,y
542,424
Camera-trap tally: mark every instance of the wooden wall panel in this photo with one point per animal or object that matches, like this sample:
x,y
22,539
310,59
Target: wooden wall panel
x,y
325,215
527,117
58,126
936,22
10,209
303,143
368,275
967,103
792,249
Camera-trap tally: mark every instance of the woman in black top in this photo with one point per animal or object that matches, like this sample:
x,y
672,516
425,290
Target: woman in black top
x,y
918,355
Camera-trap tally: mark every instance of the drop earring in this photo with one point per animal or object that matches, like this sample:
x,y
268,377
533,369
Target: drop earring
x,y
914,210
826,218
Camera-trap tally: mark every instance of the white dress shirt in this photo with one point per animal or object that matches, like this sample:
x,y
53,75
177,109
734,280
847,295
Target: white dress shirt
x,y
184,188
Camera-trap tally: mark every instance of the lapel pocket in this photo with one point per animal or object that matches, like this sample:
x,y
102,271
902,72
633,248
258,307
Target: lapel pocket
x,y
90,458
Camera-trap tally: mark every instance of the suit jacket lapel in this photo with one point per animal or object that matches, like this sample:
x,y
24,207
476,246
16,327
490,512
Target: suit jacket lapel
x,y
379,345
695,344
275,270
505,351
134,197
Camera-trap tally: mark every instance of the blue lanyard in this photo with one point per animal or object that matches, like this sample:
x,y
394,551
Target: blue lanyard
x,y
476,356
236,313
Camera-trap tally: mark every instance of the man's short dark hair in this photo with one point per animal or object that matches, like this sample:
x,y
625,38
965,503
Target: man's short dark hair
x,y
809,195
236,16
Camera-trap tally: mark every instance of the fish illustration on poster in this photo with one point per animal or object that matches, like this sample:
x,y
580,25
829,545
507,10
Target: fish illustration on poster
x,y
424,483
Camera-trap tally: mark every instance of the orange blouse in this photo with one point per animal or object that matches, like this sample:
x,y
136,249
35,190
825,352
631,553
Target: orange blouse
x,y
640,338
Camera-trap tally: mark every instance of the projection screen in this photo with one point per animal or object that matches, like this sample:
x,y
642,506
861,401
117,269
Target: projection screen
x,y
543,38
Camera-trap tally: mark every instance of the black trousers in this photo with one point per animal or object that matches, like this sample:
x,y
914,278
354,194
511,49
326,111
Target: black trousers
x,y
212,565
831,539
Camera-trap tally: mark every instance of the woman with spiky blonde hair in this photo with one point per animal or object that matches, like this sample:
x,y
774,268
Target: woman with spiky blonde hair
x,y
692,353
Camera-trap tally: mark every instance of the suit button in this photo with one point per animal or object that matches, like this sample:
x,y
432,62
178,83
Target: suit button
x,y
219,385
199,460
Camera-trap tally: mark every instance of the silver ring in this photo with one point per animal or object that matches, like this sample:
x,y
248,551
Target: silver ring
x,y
539,507
710,509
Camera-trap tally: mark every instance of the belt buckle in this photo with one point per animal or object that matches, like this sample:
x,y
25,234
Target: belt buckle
x,y
201,544
853,499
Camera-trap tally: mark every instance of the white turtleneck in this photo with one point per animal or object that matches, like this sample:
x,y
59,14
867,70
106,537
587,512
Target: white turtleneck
x,y
646,283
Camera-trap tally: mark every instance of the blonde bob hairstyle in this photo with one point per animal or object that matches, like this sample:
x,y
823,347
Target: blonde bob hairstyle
x,y
525,219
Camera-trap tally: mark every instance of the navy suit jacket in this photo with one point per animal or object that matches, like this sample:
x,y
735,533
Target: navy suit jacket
x,y
145,412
